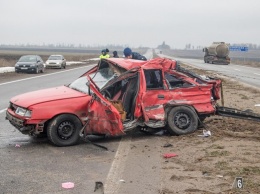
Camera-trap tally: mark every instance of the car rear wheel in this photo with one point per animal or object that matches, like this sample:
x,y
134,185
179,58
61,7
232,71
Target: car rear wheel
x,y
64,129
182,120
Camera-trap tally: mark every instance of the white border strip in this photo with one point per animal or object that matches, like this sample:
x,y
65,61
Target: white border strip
x,y
116,171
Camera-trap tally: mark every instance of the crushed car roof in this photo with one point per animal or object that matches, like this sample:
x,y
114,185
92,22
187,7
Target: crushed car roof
x,y
157,63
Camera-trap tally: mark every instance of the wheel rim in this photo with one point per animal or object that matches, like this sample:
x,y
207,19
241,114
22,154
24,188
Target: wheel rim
x,y
182,120
66,130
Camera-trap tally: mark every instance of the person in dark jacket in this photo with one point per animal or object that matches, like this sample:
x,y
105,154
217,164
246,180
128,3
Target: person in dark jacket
x,y
133,55
115,55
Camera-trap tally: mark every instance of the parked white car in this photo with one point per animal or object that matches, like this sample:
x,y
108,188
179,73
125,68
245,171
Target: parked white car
x,y
56,61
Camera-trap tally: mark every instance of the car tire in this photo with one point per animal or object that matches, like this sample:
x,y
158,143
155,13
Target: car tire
x,y
182,120
63,130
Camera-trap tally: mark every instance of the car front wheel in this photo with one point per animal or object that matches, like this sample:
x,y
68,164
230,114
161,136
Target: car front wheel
x,y
182,120
37,70
63,130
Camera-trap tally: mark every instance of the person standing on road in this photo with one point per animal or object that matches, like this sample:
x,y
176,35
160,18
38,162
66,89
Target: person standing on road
x,y
115,55
133,55
104,54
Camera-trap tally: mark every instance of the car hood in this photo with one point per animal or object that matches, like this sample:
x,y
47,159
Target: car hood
x,y
58,93
53,61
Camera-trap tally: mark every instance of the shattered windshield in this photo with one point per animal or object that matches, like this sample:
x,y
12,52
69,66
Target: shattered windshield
x,y
100,78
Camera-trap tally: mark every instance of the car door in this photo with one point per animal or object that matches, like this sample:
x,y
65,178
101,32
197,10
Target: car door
x,y
187,91
155,95
103,117
116,107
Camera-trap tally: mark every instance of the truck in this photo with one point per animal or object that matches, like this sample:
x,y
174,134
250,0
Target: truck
x,y
217,53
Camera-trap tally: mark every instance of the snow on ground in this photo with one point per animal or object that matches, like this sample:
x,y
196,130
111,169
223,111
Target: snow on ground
x,y
11,69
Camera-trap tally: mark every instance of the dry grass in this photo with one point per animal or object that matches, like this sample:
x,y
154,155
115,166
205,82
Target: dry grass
x,y
247,63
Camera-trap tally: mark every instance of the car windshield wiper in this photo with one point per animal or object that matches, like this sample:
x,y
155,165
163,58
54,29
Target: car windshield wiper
x,y
77,90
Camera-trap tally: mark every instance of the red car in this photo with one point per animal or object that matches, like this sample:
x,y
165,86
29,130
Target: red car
x,y
114,97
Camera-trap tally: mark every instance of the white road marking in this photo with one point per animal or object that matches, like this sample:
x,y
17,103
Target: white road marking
x,y
116,171
3,110
257,73
43,75
237,69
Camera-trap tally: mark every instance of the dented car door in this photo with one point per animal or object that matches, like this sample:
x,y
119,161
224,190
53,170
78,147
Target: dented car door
x,y
103,117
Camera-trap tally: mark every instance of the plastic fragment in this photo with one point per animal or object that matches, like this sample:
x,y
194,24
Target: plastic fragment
x,y
17,145
169,155
206,133
67,185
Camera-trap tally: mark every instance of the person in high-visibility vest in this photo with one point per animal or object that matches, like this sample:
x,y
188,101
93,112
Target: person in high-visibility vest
x,y
104,54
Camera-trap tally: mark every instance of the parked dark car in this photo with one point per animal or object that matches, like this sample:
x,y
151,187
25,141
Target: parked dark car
x,y
30,64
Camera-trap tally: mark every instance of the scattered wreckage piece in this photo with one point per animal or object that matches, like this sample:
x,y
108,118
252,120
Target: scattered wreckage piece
x,y
117,96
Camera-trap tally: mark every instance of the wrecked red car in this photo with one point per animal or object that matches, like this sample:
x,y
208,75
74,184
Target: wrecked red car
x,y
114,97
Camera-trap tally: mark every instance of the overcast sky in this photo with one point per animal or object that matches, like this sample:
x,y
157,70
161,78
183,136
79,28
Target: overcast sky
x,y
129,22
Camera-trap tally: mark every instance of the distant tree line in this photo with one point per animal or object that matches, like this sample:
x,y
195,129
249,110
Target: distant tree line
x,y
69,46
117,47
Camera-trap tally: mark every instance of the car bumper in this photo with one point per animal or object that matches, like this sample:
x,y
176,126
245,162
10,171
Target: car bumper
x,y
54,65
25,69
16,122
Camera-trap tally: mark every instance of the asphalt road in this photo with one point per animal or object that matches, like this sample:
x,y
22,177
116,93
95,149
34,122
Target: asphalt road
x,y
244,74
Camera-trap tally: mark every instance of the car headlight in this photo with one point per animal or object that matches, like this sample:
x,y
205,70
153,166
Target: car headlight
x,y
32,65
47,62
23,112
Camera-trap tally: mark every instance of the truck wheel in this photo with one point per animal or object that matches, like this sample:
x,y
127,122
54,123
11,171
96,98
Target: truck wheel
x,y
182,120
63,130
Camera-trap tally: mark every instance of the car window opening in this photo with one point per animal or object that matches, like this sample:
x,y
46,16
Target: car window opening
x,y
153,79
175,82
123,93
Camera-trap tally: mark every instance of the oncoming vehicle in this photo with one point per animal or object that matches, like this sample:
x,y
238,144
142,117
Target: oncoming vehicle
x,y
115,97
56,61
30,64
